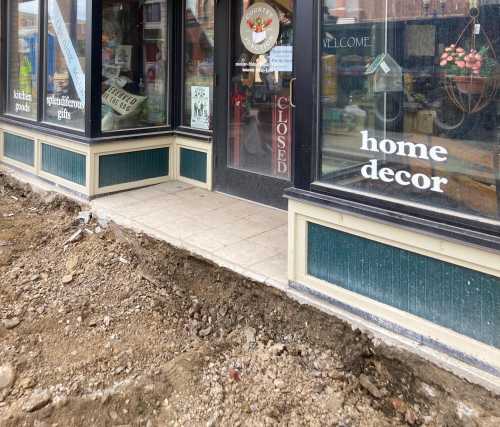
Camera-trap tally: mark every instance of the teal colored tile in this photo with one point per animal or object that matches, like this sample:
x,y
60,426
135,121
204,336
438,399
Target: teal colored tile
x,y
123,168
64,164
19,149
193,164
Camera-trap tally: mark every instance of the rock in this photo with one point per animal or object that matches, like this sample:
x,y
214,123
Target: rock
x,y
195,309
75,237
205,332
67,279
35,277
212,422
466,411
37,401
277,349
234,374
411,417
7,377
249,334
26,383
429,391
107,321
11,323
72,263
85,216
334,403
367,384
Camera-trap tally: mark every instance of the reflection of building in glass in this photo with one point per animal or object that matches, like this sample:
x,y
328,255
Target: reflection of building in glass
x,y
364,10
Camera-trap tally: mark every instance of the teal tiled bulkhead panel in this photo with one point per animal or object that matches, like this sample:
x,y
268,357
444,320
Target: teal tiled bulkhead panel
x,y
123,168
19,149
458,298
64,164
193,164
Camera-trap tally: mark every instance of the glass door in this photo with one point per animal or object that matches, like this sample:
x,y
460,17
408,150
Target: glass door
x,y
255,138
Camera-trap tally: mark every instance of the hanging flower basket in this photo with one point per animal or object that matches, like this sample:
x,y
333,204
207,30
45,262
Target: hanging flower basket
x,y
470,85
469,66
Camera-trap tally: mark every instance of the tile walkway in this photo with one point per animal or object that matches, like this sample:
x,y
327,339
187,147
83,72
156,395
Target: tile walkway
x,y
245,237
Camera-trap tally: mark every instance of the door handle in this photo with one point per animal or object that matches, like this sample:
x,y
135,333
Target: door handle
x,y
292,85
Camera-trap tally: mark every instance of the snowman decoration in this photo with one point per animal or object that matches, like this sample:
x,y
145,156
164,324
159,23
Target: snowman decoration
x,y
258,28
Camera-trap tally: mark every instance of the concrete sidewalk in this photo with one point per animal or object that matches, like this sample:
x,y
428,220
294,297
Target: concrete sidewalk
x,y
245,237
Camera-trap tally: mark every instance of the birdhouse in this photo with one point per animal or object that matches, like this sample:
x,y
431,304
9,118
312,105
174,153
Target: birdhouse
x,y
385,74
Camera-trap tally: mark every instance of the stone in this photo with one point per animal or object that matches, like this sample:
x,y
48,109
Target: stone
x,y
37,401
67,279
11,323
75,237
367,384
26,383
250,334
205,332
277,349
85,216
7,376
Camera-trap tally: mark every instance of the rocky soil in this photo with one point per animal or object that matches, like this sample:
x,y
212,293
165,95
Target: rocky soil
x,y
100,326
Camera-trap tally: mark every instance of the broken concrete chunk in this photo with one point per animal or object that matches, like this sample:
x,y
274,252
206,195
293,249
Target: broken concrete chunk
x,y
11,323
37,401
7,377
85,216
75,237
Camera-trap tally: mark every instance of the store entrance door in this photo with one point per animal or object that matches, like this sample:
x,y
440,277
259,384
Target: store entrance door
x,y
254,99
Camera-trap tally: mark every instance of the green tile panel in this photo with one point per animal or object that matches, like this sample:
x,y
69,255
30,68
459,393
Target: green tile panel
x,y
19,149
193,164
64,164
133,166
455,297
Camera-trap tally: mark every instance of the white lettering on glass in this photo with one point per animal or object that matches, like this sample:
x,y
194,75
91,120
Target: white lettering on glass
x,y
405,149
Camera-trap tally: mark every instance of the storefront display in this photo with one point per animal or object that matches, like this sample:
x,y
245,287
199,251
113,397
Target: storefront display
x,y
409,105
23,57
134,64
198,64
66,35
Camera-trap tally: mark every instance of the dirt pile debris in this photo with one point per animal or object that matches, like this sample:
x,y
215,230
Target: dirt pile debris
x,y
100,326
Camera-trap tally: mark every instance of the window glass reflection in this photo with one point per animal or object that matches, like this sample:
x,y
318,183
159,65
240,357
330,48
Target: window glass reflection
x,y
65,63
198,63
22,74
410,102
134,64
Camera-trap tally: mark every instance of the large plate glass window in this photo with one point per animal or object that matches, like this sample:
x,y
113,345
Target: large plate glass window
x,y
134,64
198,63
22,65
65,58
410,102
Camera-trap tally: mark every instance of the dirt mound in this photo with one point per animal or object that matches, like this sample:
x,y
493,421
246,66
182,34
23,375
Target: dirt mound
x,y
105,327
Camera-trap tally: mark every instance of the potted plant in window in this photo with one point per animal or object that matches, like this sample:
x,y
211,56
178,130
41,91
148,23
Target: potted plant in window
x,y
470,69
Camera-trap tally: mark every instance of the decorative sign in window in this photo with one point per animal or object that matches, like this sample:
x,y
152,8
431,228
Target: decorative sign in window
x,y
66,37
22,74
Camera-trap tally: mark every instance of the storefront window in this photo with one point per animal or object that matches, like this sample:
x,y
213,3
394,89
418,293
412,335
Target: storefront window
x,y
410,102
65,63
198,63
22,72
134,64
